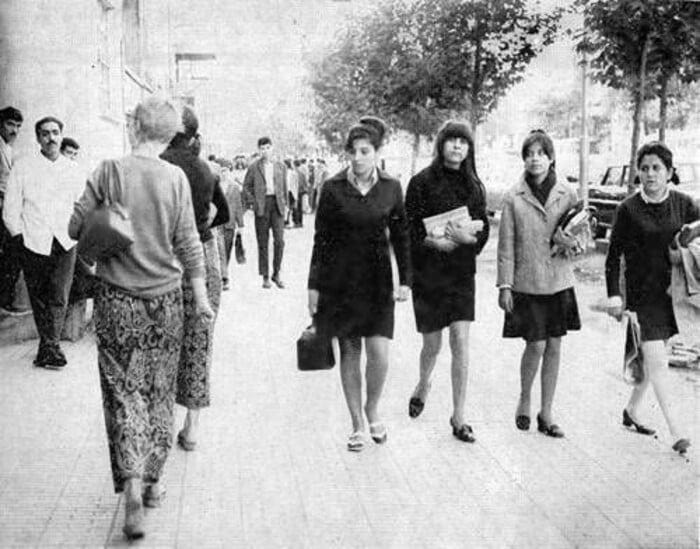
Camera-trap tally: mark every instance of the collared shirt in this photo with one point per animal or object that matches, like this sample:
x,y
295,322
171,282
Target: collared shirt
x,y
39,201
269,171
5,164
373,178
649,200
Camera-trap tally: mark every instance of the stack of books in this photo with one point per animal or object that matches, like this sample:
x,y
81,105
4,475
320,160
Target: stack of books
x,y
459,217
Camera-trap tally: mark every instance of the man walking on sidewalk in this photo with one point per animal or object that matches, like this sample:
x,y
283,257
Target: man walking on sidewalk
x,y
10,123
38,204
265,187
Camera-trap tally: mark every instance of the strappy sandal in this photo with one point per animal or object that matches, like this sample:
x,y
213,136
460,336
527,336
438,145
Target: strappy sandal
x,y
522,422
153,495
186,445
356,442
552,430
463,432
378,432
416,405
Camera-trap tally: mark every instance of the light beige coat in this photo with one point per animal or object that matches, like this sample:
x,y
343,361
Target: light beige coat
x,y
524,253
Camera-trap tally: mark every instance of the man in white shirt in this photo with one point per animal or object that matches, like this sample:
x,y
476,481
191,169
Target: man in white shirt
x,y
10,123
38,204
265,187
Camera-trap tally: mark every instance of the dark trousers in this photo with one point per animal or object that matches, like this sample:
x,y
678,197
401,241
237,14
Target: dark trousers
x,y
297,212
271,219
229,235
10,266
48,281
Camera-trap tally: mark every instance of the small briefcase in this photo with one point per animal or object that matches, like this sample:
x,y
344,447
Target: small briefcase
x,y
314,352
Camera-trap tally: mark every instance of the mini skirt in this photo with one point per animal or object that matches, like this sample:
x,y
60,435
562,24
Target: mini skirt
x,y
338,317
539,317
437,309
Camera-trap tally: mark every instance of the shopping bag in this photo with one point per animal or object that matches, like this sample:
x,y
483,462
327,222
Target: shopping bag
x,y
314,351
633,363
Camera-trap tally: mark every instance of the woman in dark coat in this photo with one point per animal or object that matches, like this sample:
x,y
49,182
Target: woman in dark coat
x,y
351,294
645,226
444,266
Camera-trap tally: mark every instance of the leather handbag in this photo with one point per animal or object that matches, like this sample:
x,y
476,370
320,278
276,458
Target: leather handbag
x,y
314,351
107,230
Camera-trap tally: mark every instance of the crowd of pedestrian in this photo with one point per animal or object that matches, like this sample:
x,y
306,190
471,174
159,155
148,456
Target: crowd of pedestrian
x,y
156,300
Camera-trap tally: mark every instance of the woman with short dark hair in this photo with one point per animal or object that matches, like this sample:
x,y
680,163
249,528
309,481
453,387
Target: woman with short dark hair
x,y
351,294
138,307
646,224
444,265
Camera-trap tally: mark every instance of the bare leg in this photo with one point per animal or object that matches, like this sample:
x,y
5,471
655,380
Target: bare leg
x,y
377,366
191,425
636,397
529,364
656,366
133,509
351,379
459,345
432,342
549,376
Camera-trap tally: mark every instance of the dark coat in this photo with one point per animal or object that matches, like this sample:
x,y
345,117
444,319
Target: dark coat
x,y
255,187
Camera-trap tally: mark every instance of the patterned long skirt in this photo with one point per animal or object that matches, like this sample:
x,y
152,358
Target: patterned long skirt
x,y
198,338
138,345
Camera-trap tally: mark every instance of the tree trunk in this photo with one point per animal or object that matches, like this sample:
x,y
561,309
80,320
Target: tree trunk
x,y
638,104
415,150
663,107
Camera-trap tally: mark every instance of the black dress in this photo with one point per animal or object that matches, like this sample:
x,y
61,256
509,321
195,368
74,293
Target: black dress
x,y
351,260
642,233
443,282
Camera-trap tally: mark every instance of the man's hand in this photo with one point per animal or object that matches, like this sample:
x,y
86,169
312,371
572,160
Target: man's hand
x,y
505,299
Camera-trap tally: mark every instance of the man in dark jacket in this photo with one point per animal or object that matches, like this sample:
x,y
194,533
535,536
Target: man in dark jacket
x,y
265,188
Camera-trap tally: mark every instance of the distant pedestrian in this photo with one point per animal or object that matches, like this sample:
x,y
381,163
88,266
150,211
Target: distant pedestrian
x,y
70,148
40,195
138,307
292,192
233,227
210,210
302,195
351,293
265,187
644,230
536,289
444,266
11,120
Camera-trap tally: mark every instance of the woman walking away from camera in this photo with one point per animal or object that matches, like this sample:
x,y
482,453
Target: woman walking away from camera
x,y
138,307
351,294
535,287
210,210
444,265
644,230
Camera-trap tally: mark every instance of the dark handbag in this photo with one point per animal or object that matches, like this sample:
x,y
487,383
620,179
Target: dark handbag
x,y
240,250
314,351
107,229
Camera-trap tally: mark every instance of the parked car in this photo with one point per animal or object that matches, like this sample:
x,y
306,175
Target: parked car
x,y
604,197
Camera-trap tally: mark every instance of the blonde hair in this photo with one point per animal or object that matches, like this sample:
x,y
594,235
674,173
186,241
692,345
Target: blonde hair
x,y
157,119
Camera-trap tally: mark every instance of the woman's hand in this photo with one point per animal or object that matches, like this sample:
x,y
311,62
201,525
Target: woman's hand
x,y
460,234
401,294
505,299
204,311
212,213
446,245
614,308
313,302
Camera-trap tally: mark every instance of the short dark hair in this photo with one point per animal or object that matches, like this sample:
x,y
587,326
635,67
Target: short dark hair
x,y
10,113
264,141
371,128
69,142
657,148
540,137
44,120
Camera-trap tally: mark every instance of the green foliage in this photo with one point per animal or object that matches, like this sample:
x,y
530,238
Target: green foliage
x,y
416,63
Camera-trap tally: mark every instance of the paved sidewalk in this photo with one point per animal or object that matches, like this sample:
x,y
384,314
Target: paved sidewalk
x,y
271,469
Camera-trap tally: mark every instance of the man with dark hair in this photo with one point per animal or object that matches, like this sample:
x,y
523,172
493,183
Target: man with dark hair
x,y
70,148
265,188
38,205
10,123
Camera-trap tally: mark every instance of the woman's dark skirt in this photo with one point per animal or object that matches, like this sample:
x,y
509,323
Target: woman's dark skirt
x,y
138,348
435,310
193,375
539,317
337,317
656,318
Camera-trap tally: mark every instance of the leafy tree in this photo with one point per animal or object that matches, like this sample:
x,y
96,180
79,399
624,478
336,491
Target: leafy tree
x,y
418,62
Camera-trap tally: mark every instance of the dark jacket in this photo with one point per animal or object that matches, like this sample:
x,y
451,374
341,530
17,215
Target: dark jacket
x,y
255,187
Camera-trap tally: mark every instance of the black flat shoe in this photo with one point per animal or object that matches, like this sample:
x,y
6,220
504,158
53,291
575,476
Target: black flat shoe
x,y
627,421
522,422
681,446
551,430
415,407
463,432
